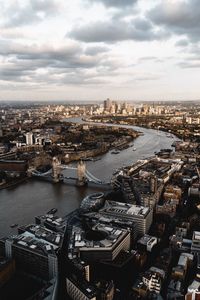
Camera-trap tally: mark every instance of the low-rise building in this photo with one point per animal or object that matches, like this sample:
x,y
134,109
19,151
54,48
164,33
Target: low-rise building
x,y
147,242
180,270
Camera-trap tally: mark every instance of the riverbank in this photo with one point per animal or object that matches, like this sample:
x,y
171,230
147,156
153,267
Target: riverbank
x,y
88,140
130,121
13,183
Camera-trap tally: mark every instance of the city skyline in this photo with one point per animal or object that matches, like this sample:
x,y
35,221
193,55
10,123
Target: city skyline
x,y
91,50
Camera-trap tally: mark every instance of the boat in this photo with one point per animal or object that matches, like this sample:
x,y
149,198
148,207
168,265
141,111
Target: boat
x,y
88,159
134,149
52,211
115,152
13,225
97,158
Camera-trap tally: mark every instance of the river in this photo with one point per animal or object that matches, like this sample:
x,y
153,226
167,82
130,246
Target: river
x,y
22,203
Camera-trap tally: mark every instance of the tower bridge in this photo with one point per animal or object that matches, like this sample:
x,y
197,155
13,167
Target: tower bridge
x,y
56,174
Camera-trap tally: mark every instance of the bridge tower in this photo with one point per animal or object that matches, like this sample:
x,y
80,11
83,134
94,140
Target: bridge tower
x,y
81,174
56,170
30,170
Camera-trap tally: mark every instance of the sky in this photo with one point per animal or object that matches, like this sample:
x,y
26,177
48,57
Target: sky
x,y
95,49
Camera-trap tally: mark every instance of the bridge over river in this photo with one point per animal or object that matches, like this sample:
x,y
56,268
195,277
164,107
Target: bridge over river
x,y
20,204
55,174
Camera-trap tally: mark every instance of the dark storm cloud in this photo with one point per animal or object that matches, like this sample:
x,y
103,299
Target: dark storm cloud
x,y
19,14
139,29
115,3
180,18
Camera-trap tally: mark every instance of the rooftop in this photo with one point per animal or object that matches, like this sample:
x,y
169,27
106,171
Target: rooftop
x,y
55,222
147,239
99,237
29,241
42,232
196,235
85,287
125,209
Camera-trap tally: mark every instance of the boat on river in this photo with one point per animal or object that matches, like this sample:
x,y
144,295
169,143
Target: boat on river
x,y
115,152
52,211
13,225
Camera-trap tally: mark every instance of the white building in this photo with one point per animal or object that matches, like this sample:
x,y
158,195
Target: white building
x,y
193,291
29,138
153,279
148,242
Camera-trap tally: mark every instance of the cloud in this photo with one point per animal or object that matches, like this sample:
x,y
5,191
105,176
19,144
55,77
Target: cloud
x,y
12,33
35,51
139,29
69,63
96,50
189,64
179,17
182,43
115,3
22,13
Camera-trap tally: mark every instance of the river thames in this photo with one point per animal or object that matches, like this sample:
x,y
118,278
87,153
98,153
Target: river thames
x,y
22,203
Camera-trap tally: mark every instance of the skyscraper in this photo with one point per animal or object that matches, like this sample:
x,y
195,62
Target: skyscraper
x,y
29,138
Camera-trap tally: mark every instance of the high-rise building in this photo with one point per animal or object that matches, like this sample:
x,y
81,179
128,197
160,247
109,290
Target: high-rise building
x,y
29,138
107,104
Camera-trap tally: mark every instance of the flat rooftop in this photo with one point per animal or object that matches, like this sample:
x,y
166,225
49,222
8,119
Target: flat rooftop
x,y
125,209
196,235
147,239
30,242
85,287
54,221
42,232
101,237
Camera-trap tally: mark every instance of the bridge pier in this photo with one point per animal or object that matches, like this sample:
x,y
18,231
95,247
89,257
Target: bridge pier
x,y
56,170
81,174
29,171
